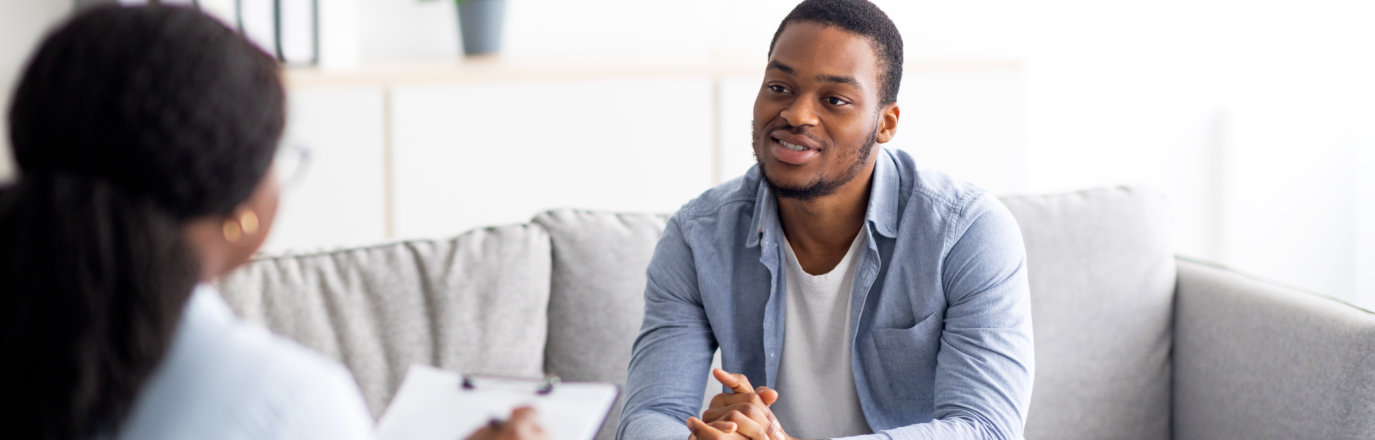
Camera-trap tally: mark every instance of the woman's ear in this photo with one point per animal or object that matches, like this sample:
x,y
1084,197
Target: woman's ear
x,y
223,242
242,224
887,123
245,230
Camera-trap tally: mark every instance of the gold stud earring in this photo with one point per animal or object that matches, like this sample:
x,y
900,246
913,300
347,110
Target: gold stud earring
x,y
245,224
248,221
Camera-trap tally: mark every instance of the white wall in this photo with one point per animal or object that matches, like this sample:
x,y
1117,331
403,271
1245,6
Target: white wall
x,y
1365,215
661,29
22,24
1255,118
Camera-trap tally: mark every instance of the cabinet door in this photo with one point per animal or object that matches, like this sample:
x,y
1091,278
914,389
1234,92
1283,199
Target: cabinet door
x,y
339,198
498,152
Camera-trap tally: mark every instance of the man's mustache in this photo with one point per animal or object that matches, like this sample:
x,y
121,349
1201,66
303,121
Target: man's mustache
x,y
804,131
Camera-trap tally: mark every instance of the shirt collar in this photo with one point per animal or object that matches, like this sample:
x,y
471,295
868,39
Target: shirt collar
x,y
765,211
883,196
881,213
207,306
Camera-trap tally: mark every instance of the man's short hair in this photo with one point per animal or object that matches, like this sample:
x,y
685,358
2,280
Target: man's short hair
x,y
863,18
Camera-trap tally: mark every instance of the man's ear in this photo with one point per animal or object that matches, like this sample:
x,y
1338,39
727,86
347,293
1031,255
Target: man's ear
x,y
887,123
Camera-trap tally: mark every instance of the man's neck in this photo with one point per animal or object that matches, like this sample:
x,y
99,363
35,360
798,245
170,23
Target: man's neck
x,y
821,229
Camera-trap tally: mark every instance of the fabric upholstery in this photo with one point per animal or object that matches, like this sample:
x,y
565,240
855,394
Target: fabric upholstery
x,y
597,297
1102,278
1255,360
475,303
564,295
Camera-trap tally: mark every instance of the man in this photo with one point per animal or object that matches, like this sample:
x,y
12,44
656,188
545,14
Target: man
x,y
869,296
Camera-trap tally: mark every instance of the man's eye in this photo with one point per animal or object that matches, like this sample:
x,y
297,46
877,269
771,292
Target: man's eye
x,y
778,89
836,101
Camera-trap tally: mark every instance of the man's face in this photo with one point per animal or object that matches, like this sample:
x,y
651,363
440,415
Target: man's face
x,y
817,113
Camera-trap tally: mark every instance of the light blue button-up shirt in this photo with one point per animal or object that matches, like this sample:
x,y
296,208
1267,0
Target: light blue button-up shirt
x,y
940,316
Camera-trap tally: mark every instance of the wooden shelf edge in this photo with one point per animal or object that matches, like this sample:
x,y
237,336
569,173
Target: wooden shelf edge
x,y
500,69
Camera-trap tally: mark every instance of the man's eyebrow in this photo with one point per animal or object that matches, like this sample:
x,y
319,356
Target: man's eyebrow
x,y
839,79
781,67
848,80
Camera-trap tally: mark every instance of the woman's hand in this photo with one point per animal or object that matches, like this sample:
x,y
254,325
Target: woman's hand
x,y
521,426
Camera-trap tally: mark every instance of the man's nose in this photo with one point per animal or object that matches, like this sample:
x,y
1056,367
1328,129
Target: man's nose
x,y
801,112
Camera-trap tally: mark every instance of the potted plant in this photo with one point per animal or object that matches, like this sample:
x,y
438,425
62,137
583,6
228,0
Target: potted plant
x,y
479,23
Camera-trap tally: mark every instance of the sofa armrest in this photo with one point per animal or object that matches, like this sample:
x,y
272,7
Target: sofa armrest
x,y
1257,360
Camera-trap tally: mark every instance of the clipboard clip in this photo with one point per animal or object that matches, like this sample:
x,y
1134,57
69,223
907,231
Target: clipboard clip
x,y
540,386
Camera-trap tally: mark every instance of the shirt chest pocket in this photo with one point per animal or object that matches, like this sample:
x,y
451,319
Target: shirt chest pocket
x,y
906,360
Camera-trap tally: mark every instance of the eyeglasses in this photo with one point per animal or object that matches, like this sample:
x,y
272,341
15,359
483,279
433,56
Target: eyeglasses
x,y
289,167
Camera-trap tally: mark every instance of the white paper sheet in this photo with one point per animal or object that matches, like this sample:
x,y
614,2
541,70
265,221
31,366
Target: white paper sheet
x,y
432,404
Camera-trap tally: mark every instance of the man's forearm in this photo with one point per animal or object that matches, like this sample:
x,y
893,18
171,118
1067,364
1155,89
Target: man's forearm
x,y
651,425
958,428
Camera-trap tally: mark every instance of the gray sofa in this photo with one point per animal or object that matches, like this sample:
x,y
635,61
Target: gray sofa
x,y
1131,341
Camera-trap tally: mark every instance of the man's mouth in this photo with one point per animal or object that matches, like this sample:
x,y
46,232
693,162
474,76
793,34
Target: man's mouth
x,y
793,147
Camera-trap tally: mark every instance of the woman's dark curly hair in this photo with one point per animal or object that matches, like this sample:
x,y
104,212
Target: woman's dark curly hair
x,y
127,123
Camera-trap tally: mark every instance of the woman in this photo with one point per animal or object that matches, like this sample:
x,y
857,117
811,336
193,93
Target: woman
x,y
145,137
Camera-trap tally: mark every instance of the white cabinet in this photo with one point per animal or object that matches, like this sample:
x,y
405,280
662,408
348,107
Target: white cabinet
x,y
340,199
434,150
495,152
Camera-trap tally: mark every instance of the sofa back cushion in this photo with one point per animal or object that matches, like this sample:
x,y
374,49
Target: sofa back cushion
x,y
1100,265
1102,278
596,299
1102,275
475,303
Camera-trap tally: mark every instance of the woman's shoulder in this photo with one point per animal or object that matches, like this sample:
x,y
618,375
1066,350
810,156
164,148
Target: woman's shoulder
x,y
212,338
223,375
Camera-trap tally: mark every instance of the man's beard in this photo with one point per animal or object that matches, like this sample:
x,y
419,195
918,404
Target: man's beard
x,y
821,186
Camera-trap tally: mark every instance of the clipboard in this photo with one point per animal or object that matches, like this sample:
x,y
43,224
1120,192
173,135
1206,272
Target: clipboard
x,y
442,405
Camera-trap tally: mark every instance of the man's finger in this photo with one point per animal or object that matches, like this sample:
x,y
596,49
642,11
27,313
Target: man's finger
x,y
767,395
724,427
702,431
753,409
725,400
716,413
736,382
776,431
749,427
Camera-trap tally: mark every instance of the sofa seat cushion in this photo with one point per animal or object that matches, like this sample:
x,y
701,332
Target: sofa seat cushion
x,y
475,303
1102,275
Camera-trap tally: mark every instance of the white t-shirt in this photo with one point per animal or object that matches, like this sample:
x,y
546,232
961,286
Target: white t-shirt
x,y
223,378
816,387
